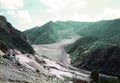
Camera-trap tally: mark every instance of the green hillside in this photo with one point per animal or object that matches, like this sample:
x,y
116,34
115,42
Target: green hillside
x,y
99,48
104,29
93,53
55,31
12,38
52,32
41,35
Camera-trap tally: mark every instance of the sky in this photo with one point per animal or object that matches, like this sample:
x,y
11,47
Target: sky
x,y
26,14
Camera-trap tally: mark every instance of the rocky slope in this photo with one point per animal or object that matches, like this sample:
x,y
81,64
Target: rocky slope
x,y
11,72
12,38
29,68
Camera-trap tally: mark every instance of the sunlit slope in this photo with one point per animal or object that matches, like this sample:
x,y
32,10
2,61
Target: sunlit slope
x,y
52,32
104,29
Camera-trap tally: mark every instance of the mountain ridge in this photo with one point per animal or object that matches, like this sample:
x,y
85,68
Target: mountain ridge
x,y
12,38
58,30
98,48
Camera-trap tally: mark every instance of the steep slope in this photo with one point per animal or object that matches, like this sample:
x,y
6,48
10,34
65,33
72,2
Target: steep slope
x,y
12,72
104,29
12,38
99,48
91,53
54,31
41,35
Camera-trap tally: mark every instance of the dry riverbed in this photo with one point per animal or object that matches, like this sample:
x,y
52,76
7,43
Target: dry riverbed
x,y
50,64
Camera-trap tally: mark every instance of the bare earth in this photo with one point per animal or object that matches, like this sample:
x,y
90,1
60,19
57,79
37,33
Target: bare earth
x,y
50,62
59,57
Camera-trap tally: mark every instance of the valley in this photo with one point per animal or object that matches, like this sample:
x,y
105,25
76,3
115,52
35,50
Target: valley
x,y
63,52
50,60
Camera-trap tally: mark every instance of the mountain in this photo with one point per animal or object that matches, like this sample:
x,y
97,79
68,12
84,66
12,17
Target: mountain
x,y
52,32
92,53
26,68
98,49
41,35
104,29
12,38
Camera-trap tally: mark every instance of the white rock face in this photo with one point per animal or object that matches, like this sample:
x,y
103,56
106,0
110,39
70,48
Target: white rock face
x,y
50,67
1,53
51,60
55,51
58,60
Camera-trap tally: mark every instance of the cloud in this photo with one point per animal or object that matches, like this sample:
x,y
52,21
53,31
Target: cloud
x,y
82,18
61,5
1,13
25,17
63,9
53,4
74,10
22,18
14,9
108,13
11,4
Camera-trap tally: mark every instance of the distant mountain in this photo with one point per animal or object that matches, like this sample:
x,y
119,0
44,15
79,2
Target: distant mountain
x,y
104,29
12,38
99,48
54,31
41,35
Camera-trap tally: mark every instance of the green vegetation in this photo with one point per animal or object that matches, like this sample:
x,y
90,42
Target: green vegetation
x,y
105,79
15,40
92,53
12,38
54,31
103,29
79,46
41,35
99,48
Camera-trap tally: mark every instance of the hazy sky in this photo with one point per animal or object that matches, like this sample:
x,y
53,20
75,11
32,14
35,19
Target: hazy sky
x,y
25,14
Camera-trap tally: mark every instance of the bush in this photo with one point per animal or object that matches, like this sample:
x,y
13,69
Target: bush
x,y
104,79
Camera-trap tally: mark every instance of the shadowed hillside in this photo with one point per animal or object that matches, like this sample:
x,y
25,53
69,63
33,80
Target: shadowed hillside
x,y
99,48
91,53
12,38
